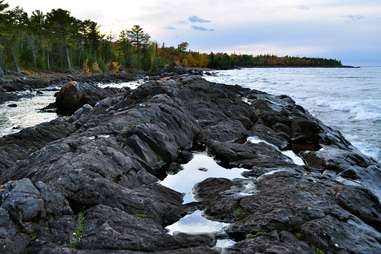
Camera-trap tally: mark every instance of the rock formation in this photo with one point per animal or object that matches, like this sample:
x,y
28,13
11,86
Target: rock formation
x,y
90,183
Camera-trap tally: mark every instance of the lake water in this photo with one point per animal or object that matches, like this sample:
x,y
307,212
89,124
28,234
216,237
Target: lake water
x,y
346,99
28,112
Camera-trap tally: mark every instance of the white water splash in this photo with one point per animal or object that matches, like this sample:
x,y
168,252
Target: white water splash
x,y
26,114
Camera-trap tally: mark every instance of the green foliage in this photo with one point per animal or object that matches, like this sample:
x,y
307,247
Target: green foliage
x,y
238,213
141,216
182,47
137,36
57,41
317,250
78,232
253,235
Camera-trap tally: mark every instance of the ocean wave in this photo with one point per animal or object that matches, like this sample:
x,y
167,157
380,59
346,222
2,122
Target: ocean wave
x,y
358,110
348,100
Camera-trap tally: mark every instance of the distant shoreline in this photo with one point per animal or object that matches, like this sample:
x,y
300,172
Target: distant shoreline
x,y
295,67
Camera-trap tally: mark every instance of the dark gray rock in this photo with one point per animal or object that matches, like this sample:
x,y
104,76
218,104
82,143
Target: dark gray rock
x,y
274,242
98,173
312,209
248,155
111,228
12,241
74,95
350,166
20,145
23,200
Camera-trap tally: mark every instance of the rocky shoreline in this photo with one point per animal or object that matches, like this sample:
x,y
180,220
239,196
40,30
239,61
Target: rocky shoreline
x,y
12,89
92,182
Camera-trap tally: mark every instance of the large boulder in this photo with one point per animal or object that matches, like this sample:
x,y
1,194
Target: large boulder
x,y
74,95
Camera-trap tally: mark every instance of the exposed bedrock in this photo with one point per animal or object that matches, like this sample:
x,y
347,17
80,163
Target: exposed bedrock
x,y
74,95
90,183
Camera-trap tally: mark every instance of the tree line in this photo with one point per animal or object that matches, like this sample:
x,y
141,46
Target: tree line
x,y
57,41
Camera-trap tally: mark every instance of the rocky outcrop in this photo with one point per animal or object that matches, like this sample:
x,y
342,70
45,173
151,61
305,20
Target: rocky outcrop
x,y
74,95
90,183
19,146
10,90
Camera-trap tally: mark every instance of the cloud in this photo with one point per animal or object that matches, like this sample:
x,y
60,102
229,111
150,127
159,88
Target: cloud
x,y
354,17
276,49
279,26
96,15
201,28
303,7
170,28
195,19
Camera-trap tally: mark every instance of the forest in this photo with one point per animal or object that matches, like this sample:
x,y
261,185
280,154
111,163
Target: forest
x,y
57,41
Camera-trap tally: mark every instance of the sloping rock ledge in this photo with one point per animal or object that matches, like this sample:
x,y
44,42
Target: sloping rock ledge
x,y
90,183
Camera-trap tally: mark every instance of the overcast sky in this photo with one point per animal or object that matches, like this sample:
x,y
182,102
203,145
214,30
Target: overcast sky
x,y
349,30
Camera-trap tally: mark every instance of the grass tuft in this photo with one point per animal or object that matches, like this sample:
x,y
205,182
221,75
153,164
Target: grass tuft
x,y
78,232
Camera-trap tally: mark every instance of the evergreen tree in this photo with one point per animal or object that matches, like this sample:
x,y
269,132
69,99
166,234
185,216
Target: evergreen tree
x,y
3,7
58,41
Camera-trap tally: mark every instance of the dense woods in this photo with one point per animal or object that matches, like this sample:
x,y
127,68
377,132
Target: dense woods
x,y
57,41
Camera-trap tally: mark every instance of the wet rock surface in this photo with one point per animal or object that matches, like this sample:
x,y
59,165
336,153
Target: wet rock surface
x,y
90,183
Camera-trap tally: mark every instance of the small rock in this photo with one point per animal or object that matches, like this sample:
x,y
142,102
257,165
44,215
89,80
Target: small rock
x,y
23,198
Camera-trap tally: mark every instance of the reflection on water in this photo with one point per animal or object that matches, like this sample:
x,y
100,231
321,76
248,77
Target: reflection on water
x,y
26,114
196,223
200,168
224,243
197,170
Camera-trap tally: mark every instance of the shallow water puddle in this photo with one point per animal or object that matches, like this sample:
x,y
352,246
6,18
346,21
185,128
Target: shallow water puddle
x,y
197,170
196,223
224,243
26,114
289,153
